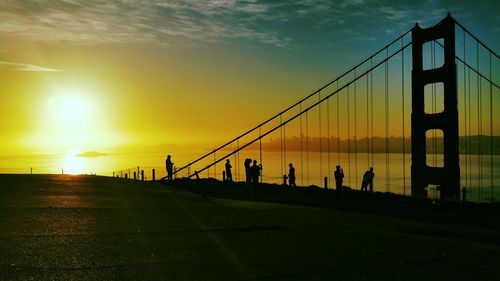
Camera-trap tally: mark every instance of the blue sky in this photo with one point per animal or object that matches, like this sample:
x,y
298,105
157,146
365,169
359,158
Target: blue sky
x,y
307,28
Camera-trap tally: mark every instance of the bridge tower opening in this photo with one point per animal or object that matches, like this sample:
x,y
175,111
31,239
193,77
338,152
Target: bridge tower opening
x,y
448,176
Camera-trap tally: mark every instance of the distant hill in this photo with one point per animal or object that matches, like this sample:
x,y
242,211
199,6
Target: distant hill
x,y
471,144
90,154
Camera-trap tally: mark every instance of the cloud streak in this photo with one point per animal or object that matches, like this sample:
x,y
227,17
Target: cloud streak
x,y
281,24
129,21
26,67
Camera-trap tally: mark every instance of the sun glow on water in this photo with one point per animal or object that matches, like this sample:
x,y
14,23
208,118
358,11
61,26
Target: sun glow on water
x,y
72,164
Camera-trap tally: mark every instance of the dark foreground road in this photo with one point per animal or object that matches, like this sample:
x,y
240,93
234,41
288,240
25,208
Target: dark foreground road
x,y
95,228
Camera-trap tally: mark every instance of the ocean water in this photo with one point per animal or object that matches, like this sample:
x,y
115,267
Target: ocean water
x,y
479,173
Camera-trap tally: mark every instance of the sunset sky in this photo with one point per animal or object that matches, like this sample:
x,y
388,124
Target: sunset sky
x,y
103,74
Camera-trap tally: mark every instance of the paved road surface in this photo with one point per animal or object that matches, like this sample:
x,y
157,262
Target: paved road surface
x,y
95,228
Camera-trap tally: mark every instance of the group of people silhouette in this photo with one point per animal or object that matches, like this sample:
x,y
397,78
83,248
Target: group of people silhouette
x,y
367,179
338,174
253,172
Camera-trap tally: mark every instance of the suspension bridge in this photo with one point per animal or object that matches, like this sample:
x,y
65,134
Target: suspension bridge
x,y
421,111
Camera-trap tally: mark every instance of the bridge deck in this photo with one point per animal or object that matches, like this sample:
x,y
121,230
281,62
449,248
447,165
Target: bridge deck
x,y
97,228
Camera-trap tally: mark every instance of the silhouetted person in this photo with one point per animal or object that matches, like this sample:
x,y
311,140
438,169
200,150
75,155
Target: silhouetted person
x,y
368,180
248,173
170,167
229,175
339,177
255,172
291,175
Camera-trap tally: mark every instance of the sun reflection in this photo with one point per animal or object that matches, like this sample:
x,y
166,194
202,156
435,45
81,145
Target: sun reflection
x,y
73,164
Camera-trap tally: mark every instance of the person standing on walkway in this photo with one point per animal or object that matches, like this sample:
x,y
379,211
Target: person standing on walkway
x,y
229,175
248,174
291,175
368,180
170,167
339,177
255,172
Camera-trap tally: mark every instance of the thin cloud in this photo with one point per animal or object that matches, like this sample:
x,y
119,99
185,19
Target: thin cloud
x,y
26,67
124,22
186,22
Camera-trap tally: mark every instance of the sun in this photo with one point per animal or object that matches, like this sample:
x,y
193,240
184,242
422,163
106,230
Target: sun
x,y
69,108
71,115
67,118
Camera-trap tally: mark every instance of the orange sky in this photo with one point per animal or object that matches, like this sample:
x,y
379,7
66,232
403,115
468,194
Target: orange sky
x,y
103,77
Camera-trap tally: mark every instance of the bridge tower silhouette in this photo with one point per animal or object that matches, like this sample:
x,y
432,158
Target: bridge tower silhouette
x,y
448,176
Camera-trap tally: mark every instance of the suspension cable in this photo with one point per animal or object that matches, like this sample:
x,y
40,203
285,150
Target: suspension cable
x,y
309,107
320,150
386,66
355,136
403,115
433,88
491,135
338,128
466,152
367,121
281,144
336,80
284,150
301,149
371,109
237,164
472,68
479,135
470,128
348,138
260,153
307,147
475,38
329,137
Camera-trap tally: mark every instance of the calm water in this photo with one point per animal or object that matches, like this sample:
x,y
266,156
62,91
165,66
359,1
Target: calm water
x,y
392,171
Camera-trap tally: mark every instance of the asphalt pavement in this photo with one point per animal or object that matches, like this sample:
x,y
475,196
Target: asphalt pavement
x,y
62,227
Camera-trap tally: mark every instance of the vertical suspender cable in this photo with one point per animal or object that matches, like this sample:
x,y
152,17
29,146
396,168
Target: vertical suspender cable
x,y
491,134
235,167
320,150
328,133
433,109
348,137
238,160
215,166
260,152
367,122
466,150
281,145
284,150
355,135
371,109
470,129
479,113
338,125
434,145
307,147
301,148
387,122
403,114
